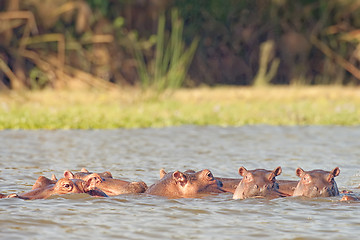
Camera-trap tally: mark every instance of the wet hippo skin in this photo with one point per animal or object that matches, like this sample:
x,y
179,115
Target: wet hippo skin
x,y
317,183
186,184
110,186
258,183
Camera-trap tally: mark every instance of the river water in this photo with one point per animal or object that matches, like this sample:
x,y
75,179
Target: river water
x,y
138,154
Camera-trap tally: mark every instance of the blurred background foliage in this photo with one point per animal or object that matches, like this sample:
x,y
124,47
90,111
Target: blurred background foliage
x,y
178,43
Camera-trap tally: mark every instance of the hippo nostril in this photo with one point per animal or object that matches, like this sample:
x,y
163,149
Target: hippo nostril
x,y
324,190
265,187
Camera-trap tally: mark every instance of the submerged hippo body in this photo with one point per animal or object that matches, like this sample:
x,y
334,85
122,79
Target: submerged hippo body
x,y
229,184
110,186
84,172
8,196
62,186
317,183
186,184
287,187
258,183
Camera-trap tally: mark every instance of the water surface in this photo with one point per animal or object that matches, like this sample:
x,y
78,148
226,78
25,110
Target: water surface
x,y
138,154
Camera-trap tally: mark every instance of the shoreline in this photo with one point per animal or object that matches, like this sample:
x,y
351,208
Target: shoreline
x,y
220,106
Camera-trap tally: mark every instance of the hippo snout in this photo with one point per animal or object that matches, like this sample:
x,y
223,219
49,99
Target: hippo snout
x,y
264,188
324,190
328,191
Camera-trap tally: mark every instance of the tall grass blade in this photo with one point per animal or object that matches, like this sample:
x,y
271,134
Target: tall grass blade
x,y
159,54
172,59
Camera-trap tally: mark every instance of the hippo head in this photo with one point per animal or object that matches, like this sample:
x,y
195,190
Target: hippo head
x,y
317,183
257,183
62,186
113,187
107,184
193,183
185,184
65,185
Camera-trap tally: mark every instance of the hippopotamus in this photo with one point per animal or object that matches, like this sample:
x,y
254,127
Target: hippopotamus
x,y
258,183
62,186
228,184
110,186
286,187
188,184
41,182
317,183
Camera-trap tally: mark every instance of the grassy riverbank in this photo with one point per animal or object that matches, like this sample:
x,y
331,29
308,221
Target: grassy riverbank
x,y
225,106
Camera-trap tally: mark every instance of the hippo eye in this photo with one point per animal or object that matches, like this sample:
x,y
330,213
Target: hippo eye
x,y
248,178
66,185
307,179
209,175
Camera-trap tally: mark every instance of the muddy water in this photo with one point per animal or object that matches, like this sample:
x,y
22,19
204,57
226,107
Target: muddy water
x,y
139,154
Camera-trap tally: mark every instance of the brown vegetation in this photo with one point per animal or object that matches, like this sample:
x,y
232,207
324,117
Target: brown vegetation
x,y
63,43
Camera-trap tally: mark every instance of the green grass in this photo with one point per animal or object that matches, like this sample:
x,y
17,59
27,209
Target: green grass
x,y
223,106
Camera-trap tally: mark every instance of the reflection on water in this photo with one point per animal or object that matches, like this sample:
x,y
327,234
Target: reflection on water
x,y
139,154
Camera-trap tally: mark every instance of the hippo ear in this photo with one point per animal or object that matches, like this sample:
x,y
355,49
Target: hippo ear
x,y
91,181
94,177
107,174
162,173
84,170
277,171
53,177
299,172
68,175
242,171
89,184
179,177
335,172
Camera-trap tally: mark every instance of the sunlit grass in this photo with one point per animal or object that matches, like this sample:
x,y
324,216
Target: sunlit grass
x,y
223,106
